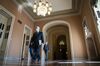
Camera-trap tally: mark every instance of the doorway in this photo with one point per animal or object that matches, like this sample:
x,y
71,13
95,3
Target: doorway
x,y
89,40
6,27
51,32
61,48
26,40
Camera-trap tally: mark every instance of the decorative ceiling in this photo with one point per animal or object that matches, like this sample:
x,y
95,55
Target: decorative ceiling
x,y
60,8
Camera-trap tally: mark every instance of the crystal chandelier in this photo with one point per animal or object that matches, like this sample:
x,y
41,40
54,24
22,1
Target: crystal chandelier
x,y
42,8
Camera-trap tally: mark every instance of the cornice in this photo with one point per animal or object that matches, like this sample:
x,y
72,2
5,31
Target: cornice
x,y
76,10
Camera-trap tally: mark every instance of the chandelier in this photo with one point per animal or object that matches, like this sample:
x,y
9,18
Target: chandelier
x,y
42,8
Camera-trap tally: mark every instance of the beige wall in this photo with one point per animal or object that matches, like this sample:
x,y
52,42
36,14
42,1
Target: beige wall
x,y
17,33
77,37
88,14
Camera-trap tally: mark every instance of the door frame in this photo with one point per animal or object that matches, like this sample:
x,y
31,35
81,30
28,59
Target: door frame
x,y
86,44
26,26
87,51
10,33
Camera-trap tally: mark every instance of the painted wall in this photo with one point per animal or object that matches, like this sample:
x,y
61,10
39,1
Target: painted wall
x,y
88,14
78,47
14,50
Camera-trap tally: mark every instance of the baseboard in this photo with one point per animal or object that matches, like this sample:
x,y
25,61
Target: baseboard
x,y
79,59
95,58
11,60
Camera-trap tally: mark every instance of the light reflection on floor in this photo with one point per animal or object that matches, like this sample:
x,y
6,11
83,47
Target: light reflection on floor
x,y
59,63
54,63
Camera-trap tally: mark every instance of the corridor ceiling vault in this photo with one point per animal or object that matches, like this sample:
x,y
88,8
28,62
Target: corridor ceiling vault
x,y
60,8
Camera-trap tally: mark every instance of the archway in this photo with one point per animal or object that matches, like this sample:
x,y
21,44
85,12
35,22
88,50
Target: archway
x,y
61,48
52,24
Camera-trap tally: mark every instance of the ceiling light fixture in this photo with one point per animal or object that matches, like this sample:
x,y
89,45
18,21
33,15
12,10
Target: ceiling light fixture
x,y
42,8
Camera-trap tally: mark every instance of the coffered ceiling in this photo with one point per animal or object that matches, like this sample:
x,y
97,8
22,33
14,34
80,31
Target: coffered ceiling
x,y
60,8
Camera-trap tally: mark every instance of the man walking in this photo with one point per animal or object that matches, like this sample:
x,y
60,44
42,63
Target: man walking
x,y
35,45
46,48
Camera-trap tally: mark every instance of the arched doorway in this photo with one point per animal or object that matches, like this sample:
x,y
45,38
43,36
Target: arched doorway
x,y
61,46
53,31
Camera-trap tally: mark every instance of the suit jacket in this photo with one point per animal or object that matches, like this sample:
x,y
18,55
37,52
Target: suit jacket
x,y
46,48
35,39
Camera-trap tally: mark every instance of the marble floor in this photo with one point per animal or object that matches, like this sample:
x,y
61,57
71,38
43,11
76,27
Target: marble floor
x,y
51,63
57,63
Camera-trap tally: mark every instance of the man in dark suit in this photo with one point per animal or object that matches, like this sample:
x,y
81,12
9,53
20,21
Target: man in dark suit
x,y
35,44
46,49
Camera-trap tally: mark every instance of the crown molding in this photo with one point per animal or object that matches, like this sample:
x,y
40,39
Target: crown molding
x,y
58,16
76,10
23,10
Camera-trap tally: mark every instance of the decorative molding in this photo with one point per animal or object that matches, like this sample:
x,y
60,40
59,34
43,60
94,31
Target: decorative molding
x,y
16,3
57,17
76,10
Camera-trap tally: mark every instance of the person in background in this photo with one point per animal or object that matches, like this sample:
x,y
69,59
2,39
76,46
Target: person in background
x,y
35,45
46,48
